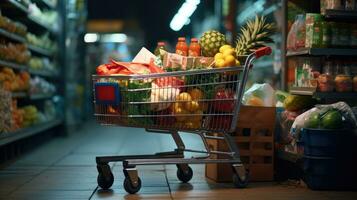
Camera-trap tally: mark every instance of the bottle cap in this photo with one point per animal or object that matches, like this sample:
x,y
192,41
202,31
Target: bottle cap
x,y
181,39
161,44
194,40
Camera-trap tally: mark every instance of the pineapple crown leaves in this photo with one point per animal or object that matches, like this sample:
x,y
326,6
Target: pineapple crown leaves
x,y
256,33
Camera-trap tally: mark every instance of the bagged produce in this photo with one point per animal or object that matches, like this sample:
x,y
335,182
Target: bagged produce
x,y
259,95
333,116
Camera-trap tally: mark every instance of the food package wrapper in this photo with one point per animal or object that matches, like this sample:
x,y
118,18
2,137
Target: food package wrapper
x,y
260,95
175,62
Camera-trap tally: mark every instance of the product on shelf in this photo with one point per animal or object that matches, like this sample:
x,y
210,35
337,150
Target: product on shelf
x,y
12,27
47,17
41,41
297,34
31,116
41,64
313,30
41,86
5,111
17,116
307,71
15,53
326,79
11,81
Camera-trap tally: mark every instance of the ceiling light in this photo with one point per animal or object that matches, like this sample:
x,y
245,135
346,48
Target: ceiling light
x,y
91,37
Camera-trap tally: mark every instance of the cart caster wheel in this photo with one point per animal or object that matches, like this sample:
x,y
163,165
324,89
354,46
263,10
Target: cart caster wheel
x,y
129,188
105,182
184,176
238,182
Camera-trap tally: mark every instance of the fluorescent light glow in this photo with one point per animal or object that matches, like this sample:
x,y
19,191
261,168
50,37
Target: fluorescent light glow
x,y
108,38
115,38
182,17
91,37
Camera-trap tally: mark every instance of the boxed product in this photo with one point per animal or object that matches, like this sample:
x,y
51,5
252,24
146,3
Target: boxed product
x,y
176,62
307,72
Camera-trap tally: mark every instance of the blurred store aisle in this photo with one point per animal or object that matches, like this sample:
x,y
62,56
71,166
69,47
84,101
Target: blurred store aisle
x,y
64,168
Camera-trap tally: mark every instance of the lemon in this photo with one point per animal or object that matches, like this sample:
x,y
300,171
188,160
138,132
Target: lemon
x,y
220,63
192,106
228,52
230,60
218,56
184,96
224,47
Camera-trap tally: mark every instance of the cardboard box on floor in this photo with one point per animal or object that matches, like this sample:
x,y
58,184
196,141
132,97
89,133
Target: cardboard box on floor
x,y
255,140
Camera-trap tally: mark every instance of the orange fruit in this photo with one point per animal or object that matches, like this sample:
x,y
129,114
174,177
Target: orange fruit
x,y
196,94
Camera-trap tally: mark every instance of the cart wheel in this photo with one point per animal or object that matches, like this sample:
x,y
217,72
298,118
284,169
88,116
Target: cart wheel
x,y
238,182
105,182
184,176
129,187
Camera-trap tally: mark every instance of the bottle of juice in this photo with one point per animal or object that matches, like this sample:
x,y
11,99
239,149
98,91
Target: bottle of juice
x,y
181,47
160,45
195,48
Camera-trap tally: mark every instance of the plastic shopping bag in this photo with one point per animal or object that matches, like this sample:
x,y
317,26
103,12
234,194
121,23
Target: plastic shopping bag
x,y
260,95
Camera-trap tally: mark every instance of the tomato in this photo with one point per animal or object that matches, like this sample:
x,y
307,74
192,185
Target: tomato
x,y
220,103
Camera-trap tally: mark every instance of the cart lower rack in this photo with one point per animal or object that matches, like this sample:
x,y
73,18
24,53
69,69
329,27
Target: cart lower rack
x,y
201,101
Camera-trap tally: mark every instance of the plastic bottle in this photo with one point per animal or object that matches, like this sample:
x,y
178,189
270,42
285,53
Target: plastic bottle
x,y
160,45
195,48
181,47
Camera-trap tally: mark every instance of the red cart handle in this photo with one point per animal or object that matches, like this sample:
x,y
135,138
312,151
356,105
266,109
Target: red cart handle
x,y
263,51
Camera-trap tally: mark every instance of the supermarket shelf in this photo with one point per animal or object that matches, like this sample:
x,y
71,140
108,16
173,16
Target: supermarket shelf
x,y
322,95
36,22
45,4
41,96
18,6
4,63
7,138
40,50
323,52
19,94
43,73
12,36
341,14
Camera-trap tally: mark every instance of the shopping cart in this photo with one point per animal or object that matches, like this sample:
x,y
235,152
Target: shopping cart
x,y
205,102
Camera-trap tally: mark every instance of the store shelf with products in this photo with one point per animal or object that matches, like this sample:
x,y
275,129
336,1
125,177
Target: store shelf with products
x,y
41,96
45,4
40,50
310,91
12,36
13,65
341,14
323,52
6,138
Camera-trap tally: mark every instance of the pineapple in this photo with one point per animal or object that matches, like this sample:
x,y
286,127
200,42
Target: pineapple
x,y
255,34
211,41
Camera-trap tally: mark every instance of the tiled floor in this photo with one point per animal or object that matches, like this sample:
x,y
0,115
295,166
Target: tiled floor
x,y
64,168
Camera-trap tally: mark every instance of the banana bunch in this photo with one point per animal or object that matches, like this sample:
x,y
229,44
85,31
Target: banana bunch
x,y
255,34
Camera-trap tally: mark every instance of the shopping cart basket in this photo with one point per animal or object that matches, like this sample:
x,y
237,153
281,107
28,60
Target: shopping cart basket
x,y
200,101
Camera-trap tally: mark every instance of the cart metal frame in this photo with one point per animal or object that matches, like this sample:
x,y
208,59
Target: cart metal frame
x,y
132,182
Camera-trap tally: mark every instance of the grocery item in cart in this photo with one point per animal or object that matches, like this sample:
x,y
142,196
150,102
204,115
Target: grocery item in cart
x,y
176,62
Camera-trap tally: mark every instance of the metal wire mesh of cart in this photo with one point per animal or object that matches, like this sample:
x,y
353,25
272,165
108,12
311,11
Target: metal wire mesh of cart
x,y
205,100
